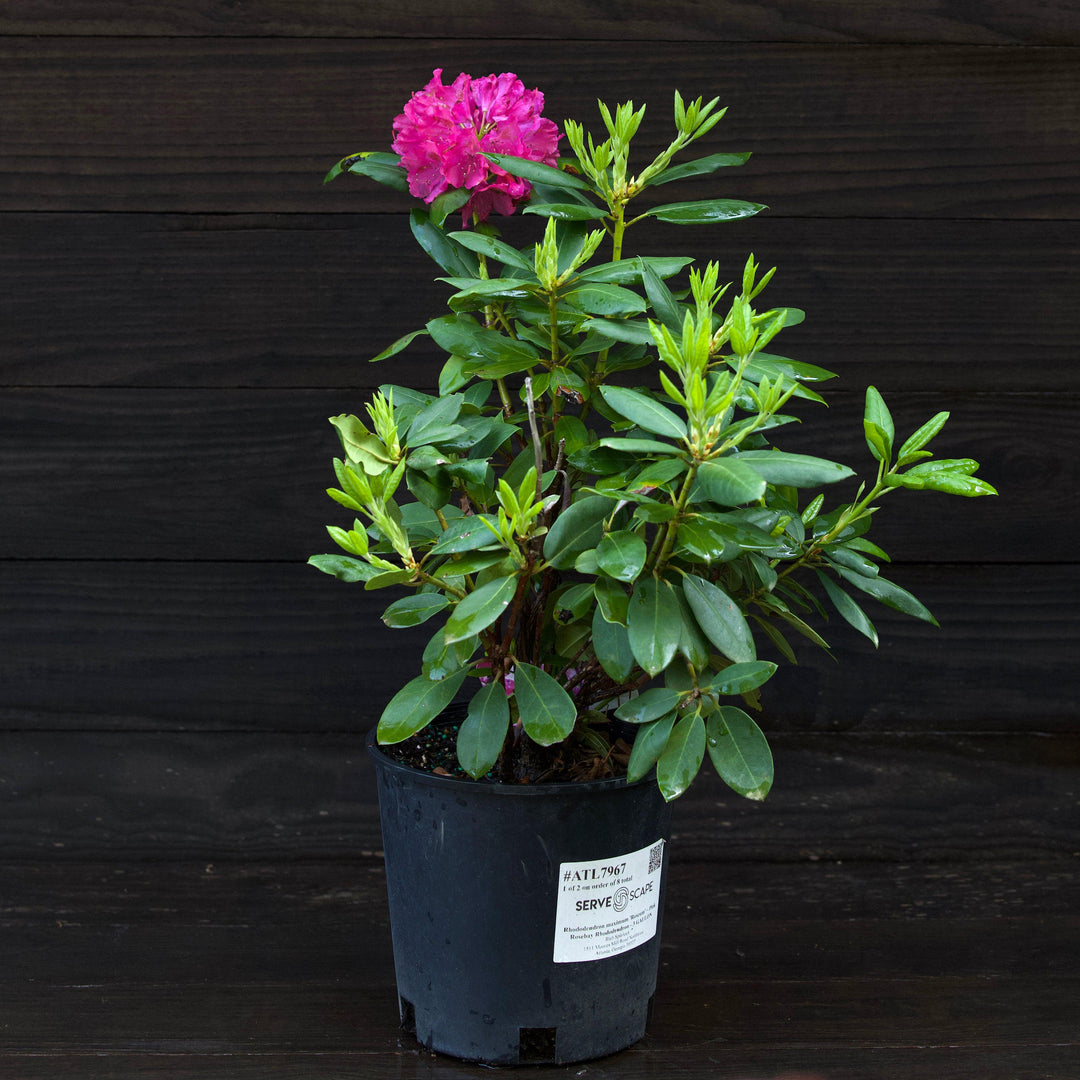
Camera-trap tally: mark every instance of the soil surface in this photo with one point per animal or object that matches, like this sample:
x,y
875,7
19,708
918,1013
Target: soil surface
x,y
434,749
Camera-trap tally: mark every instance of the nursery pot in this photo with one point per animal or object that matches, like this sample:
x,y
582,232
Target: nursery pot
x,y
525,918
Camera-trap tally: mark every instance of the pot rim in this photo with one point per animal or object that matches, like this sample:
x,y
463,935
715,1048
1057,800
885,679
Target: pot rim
x,y
482,787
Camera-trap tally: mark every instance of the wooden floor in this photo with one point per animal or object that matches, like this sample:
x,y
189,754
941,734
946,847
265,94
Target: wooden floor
x,y
953,961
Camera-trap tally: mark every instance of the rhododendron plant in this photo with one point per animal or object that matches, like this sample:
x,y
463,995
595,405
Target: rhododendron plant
x,y
445,131
589,503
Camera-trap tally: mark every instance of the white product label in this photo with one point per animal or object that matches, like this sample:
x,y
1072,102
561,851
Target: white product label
x,y
609,906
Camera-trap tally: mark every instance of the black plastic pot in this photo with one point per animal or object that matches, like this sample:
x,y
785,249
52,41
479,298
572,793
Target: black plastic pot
x,y
485,887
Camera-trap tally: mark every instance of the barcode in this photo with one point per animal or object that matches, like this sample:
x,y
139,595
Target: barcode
x,y
656,856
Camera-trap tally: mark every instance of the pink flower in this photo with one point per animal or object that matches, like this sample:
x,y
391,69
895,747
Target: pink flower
x,y
445,130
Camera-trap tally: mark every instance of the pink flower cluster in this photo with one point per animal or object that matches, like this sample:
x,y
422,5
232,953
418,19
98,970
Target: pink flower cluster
x,y
445,130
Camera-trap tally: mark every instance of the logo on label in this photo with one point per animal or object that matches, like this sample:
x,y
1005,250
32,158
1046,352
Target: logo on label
x,y
622,898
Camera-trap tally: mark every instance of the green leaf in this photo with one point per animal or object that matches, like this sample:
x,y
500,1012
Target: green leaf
x,y
387,578
740,752
567,211
621,555
949,475
547,711
888,593
852,560
701,167
644,411
449,201
742,678
600,298
431,421
628,271
415,705
720,619
649,705
729,481
578,527
611,643
398,346
692,643
705,211
343,567
441,660
466,534
537,172
452,257
663,301
849,611
796,470
638,446
482,733
614,604
413,610
653,624
494,249
648,745
921,437
632,331
381,167
480,609
681,757
878,424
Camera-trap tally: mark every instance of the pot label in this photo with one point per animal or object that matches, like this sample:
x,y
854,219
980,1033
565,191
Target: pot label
x,y
608,906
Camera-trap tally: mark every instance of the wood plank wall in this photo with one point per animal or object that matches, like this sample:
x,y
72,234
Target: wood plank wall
x,y
182,304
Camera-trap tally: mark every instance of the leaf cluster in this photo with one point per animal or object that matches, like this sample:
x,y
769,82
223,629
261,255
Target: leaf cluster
x,y
590,509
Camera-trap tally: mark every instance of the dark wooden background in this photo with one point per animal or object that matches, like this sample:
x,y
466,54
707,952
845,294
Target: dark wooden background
x,y
183,701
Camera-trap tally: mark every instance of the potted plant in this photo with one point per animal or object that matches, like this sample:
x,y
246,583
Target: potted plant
x,y
592,511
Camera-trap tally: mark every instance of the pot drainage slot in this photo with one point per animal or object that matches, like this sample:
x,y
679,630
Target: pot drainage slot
x,y
536,1046
408,1015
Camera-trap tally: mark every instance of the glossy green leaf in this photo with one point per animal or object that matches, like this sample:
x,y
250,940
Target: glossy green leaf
x,y
612,601
547,711
849,611
692,642
838,553
649,705
492,248
399,345
621,555
482,733
441,659
413,610
611,643
720,619
648,745
704,166
632,331
480,609
382,167
796,470
578,527
387,578
653,624
878,424
466,534
415,705
644,411
740,752
343,567
888,593
537,172
705,211
451,256
921,437
728,481
638,446
681,758
742,678
567,211
601,298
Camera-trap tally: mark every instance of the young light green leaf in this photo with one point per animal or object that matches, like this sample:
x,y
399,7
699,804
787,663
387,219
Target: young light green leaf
x,y
720,619
547,711
921,437
480,609
416,704
878,425
740,752
653,624
648,745
681,758
644,411
482,733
